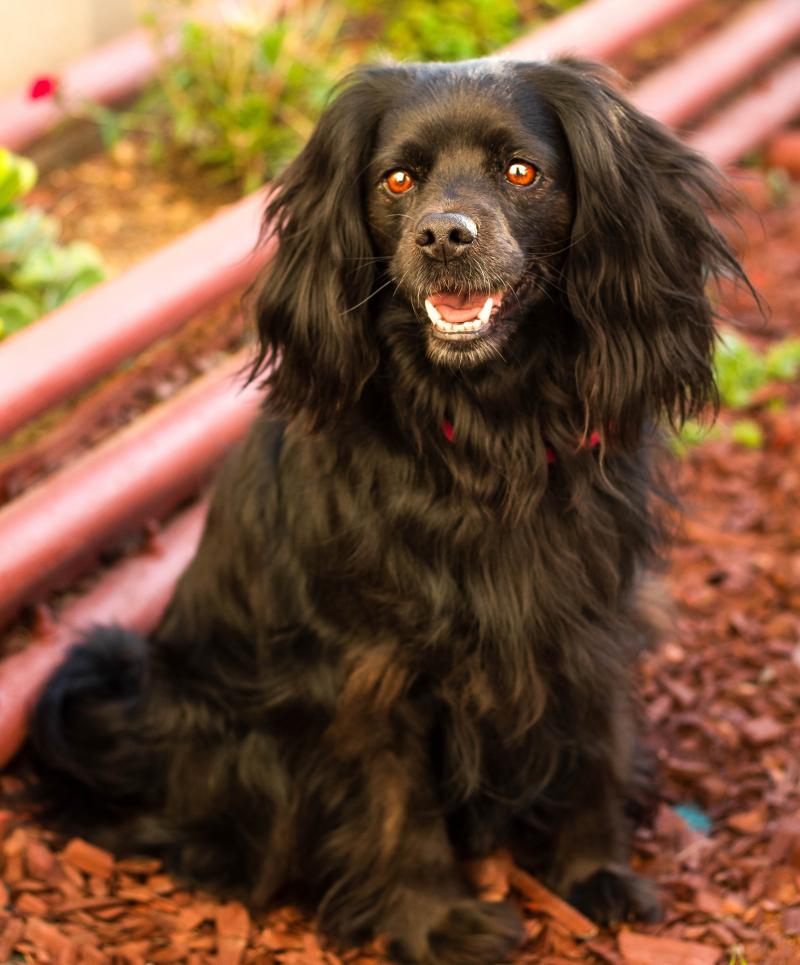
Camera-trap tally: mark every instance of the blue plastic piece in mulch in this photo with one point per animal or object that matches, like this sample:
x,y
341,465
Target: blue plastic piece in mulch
x,y
697,819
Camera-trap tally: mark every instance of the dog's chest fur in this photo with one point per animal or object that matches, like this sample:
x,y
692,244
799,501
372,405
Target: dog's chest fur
x,y
457,562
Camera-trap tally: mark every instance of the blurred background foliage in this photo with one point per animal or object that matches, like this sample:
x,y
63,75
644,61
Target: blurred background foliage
x,y
742,371
248,79
37,274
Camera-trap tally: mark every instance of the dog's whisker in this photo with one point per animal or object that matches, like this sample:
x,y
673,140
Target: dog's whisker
x,y
363,301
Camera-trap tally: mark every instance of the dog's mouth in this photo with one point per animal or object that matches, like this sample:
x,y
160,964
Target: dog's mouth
x,y
460,318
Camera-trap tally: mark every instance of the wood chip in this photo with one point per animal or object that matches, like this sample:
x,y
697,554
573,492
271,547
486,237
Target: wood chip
x,y
637,949
748,822
544,901
790,921
139,865
88,857
40,861
49,939
233,930
763,730
30,904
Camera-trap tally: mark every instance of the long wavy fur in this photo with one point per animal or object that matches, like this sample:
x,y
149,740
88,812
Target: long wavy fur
x,y
392,650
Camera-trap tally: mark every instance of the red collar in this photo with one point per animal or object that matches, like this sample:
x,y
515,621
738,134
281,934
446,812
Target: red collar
x,y
591,443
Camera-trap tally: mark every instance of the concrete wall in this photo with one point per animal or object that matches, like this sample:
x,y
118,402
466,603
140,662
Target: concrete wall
x,y
41,36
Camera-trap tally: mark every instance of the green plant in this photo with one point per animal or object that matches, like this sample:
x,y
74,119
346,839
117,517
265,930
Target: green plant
x,y
741,371
243,91
447,30
36,273
737,955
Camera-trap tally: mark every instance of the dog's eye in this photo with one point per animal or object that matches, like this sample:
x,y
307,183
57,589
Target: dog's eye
x,y
521,173
398,182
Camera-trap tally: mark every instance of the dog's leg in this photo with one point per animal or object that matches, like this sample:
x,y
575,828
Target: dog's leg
x,y
432,916
583,852
392,866
590,864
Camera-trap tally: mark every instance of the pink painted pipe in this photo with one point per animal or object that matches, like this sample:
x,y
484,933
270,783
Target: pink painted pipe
x,y
144,470
679,91
598,30
134,593
753,118
76,344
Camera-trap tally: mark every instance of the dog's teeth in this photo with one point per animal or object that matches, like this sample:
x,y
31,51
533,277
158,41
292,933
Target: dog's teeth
x,y
433,314
486,311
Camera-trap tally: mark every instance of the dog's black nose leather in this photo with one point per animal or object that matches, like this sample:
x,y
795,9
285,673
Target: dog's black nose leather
x,y
445,234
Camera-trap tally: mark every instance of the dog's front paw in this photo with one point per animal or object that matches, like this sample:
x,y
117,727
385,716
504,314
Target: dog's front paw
x,y
468,933
614,894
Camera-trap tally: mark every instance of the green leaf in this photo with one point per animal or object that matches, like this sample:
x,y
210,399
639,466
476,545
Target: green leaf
x,y
748,433
740,371
16,311
783,360
17,177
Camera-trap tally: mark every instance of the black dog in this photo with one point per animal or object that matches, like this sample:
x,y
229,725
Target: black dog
x,y
408,634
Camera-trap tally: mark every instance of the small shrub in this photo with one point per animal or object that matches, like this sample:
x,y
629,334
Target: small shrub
x,y
741,371
747,433
447,30
243,91
37,274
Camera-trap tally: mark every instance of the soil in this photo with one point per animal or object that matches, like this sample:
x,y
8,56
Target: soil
x,y
125,205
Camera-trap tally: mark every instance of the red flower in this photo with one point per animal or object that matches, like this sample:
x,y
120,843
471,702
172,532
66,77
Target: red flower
x,y
44,86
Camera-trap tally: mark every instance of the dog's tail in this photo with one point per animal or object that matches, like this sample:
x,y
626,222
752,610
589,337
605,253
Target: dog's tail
x,y
89,760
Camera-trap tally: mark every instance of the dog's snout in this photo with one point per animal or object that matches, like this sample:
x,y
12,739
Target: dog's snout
x,y
445,234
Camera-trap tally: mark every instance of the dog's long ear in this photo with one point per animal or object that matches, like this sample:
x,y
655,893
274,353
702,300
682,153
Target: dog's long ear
x,y
642,251
312,306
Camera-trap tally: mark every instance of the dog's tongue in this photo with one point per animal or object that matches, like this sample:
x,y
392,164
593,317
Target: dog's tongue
x,y
458,308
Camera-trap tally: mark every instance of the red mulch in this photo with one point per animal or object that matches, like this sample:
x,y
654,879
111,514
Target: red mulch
x,y
722,697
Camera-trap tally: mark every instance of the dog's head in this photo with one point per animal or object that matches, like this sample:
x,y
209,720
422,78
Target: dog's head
x,y
471,204
482,207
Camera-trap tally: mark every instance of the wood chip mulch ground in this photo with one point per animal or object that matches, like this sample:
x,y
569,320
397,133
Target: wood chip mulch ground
x,y
721,696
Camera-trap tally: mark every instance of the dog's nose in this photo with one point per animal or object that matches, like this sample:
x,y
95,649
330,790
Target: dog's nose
x,y
445,234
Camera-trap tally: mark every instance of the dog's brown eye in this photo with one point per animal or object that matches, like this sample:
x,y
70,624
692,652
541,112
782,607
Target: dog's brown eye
x,y
521,173
398,182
